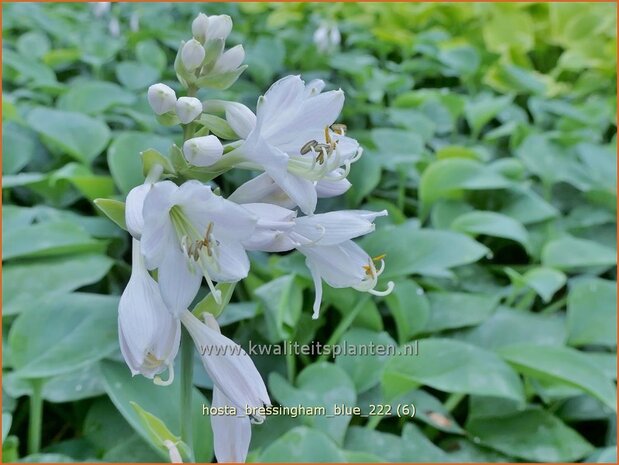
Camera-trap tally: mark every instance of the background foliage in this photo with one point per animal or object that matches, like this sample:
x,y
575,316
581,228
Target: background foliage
x,y
491,139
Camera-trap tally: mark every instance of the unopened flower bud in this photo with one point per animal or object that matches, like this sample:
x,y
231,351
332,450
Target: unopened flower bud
x,y
199,27
188,109
219,27
161,98
230,60
192,55
203,151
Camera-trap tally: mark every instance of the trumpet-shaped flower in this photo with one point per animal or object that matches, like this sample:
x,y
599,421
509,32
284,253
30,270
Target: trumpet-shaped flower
x,y
295,140
190,233
231,433
325,240
228,365
149,335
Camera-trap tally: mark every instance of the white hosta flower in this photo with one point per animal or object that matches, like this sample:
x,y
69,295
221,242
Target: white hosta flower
x,y
230,60
135,202
192,55
203,151
113,26
149,335
206,28
161,98
101,8
188,109
295,140
325,240
240,118
327,37
190,233
227,364
231,434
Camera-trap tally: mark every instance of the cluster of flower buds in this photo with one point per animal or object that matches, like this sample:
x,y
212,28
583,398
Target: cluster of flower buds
x,y
190,233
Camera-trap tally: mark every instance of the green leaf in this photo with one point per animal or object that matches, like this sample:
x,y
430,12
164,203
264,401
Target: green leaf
x,y
508,326
434,252
318,385
397,146
481,111
413,446
491,224
152,157
449,178
302,444
6,424
94,97
544,281
18,147
114,210
124,159
31,283
76,134
570,254
43,339
282,299
365,369
451,366
364,177
450,310
561,364
532,435
410,309
592,312
48,239
89,184
161,402
134,75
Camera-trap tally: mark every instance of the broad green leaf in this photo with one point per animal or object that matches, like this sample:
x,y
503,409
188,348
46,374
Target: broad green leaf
x,y
124,159
508,326
28,284
491,224
365,368
449,178
532,435
79,136
592,312
302,444
134,75
481,111
48,239
7,418
508,28
544,281
43,339
410,309
450,310
364,177
318,385
396,146
18,147
451,366
571,254
433,254
412,446
89,184
94,97
163,402
282,299
561,364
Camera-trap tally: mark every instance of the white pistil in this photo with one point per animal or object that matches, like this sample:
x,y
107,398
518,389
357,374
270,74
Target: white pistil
x,y
160,382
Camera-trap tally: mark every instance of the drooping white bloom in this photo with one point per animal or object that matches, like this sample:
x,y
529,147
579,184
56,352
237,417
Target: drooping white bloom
x,y
325,240
135,202
227,364
192,55
231,434
134,21
190,233
149,335
188,109
161,98
113,26
203,151
206,28
293,141
101,8
230,60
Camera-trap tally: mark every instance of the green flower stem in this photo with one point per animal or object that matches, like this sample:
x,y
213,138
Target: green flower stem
x,y
453,400
186,388
36,416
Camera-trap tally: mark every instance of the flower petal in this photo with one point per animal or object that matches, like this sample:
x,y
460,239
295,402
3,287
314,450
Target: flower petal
x,y
336,227
231,433
339,265
158,232
179,280
133,209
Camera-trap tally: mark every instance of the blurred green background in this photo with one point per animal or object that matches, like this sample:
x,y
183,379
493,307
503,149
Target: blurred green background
x,y
490,136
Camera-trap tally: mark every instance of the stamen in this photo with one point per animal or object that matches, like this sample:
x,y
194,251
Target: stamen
x,y
327,135
382,267
389,290
159,382
379,257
